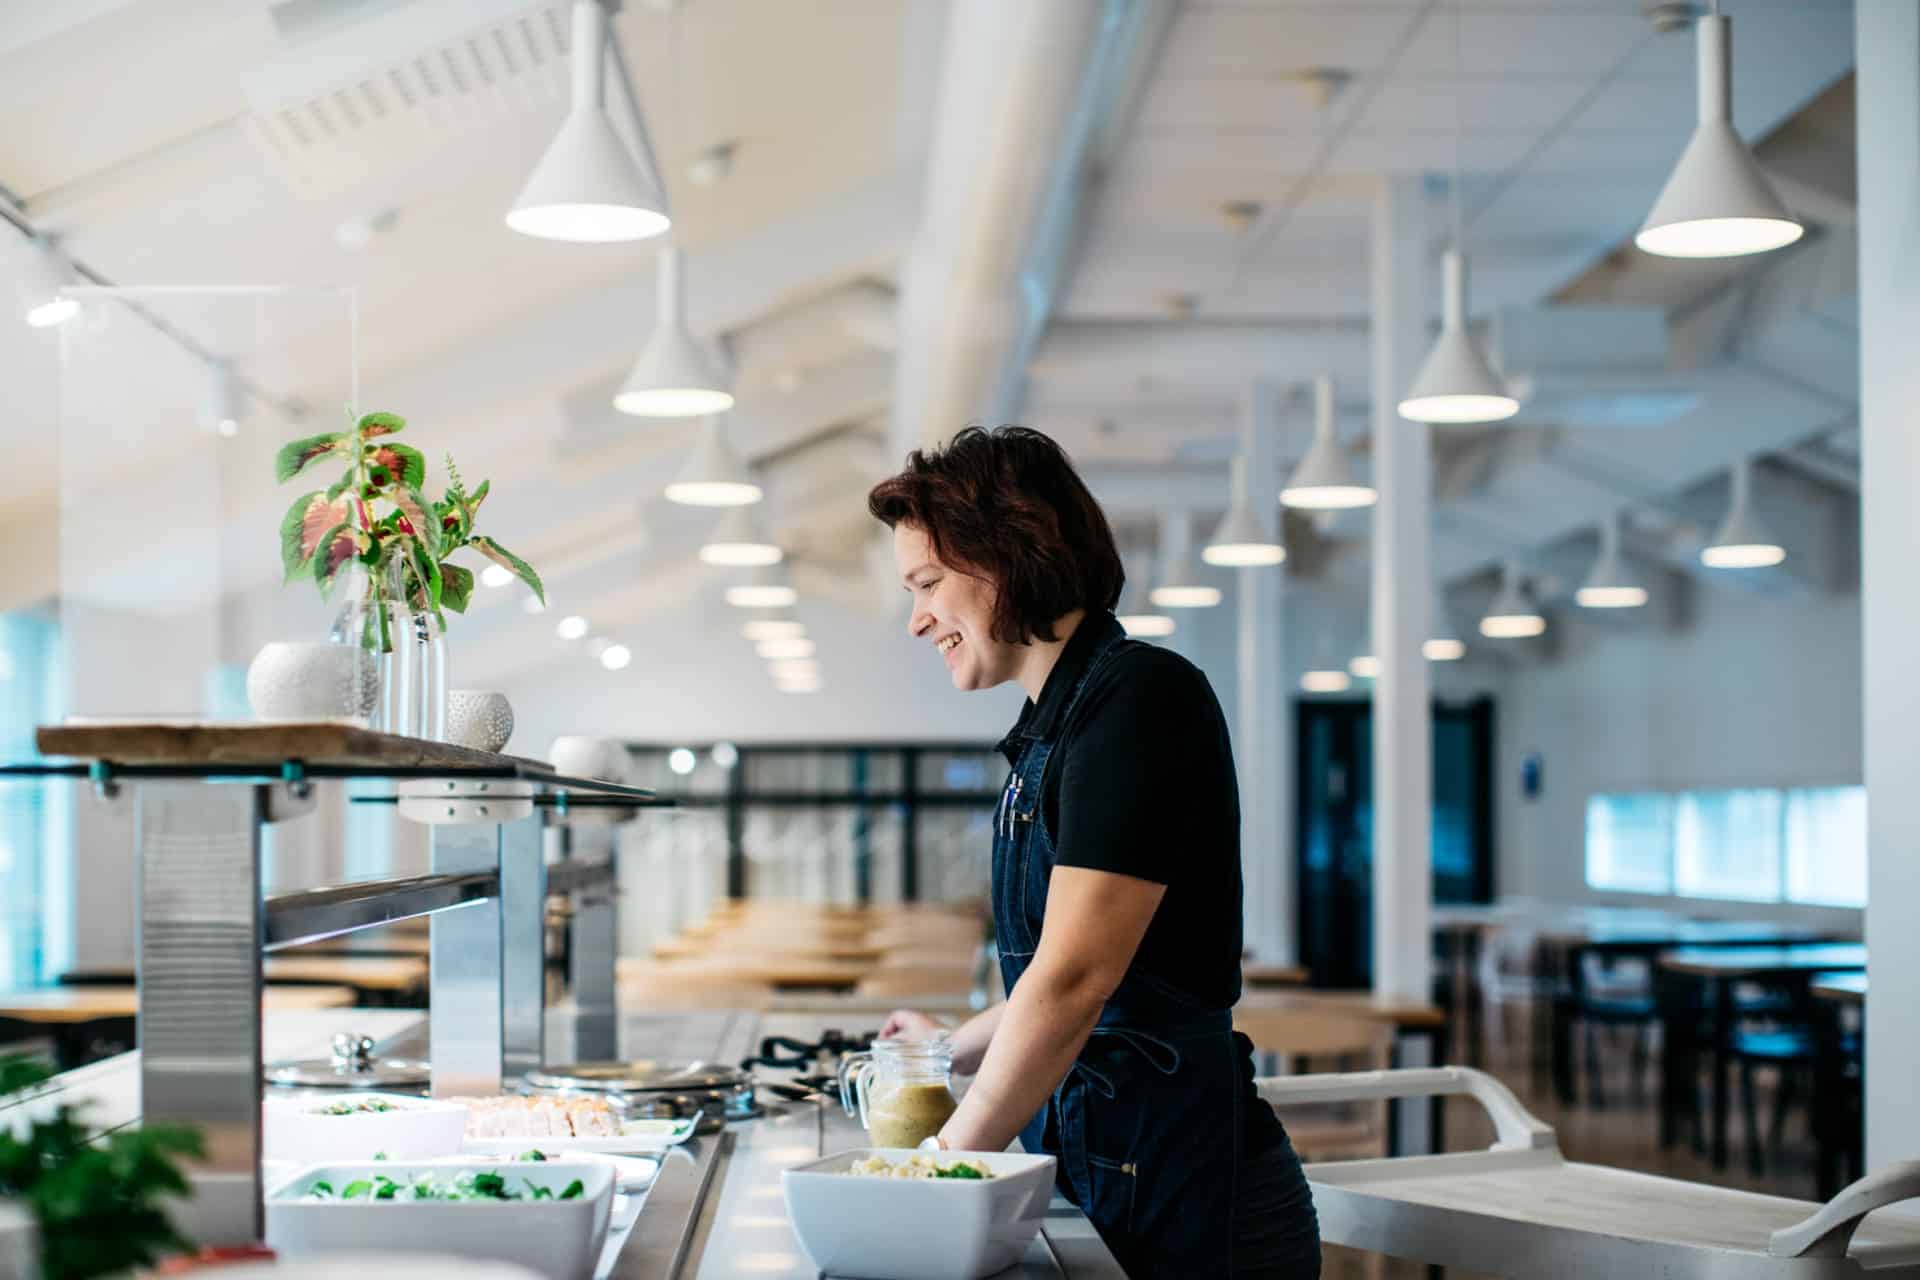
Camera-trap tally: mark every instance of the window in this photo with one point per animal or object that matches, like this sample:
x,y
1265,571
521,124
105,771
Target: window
x,y
29,824
1751,844
1630,843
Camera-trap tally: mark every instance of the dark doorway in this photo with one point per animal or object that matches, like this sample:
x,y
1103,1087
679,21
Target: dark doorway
x,y
1334,826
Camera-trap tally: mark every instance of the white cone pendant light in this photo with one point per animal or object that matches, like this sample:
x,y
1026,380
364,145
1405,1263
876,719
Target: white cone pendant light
x,y
1513,614
1610,585
1242,541
739,542
1180,587
1137,615
1717,203
674,377
47,274
1364,666
1443,643
773,629
767,588
714,476
1323,481
589,187
1456,384
1741,541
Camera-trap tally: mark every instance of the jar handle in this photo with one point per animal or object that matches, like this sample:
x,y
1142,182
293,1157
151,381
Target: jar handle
x,y
849,1069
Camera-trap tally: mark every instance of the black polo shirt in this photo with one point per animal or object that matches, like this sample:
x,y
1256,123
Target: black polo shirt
x,y
1141,783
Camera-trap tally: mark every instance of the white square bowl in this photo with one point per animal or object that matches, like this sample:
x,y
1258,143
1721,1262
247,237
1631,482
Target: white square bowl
x,y
926,1228
292,1128
560,1239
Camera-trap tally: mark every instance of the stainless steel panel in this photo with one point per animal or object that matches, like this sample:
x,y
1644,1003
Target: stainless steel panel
x,y
295,919
467,1023
200,924
523,907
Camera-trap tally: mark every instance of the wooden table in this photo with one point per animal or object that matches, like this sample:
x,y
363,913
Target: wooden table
x,y
1274,975
76,1018
373,978
1843,988
1717,969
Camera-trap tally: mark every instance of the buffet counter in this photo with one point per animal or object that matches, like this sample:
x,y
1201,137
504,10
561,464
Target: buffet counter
x,y
715,1211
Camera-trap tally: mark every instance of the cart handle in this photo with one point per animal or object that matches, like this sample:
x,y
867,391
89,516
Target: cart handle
x,y
1515,1128
1830,1230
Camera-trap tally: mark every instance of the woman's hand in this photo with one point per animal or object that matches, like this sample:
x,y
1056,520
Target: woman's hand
x,y
910,1024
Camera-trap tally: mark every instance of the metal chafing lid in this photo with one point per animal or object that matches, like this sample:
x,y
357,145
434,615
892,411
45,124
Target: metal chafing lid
x,y
352,1066
643,1075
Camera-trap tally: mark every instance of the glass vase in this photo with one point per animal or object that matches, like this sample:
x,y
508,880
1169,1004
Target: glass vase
x,y
408,647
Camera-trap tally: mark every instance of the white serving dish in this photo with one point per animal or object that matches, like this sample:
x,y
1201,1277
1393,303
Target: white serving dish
x,y
635,1135
928,1228
559,1239
420,1128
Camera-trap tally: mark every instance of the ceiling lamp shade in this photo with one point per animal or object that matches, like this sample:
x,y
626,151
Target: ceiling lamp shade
x,y
768,588
1742,542
1323,481
1610,585
791,647
1136,614
1325,680
1242,541
1717,203
1443,644
739,542
1179,586
714,476
1513,614
589,187
773,629
47,275
674,377
1456,384
1364,666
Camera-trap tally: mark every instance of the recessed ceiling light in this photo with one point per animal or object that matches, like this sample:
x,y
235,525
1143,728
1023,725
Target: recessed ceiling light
x,y
495,575
615,656
571,627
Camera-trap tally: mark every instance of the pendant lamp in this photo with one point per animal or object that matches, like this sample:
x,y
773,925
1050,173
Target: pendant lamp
x,y
714,476
1242,541
1742,542
1364,666
1180,587
1443,643
674,377
1610,585
1323,481
1137,614
47,274
589,187
1717,204
769,587
739,541
1513,615
773,628
1456,384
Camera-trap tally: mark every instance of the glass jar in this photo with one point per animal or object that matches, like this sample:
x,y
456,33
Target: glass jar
x,y
408,648
902,1090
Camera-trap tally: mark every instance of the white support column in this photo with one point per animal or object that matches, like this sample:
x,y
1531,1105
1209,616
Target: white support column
x,y
1888,90
1402,714
1265,741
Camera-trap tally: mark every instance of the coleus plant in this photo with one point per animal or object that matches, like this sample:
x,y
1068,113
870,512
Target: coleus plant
x,y
377,514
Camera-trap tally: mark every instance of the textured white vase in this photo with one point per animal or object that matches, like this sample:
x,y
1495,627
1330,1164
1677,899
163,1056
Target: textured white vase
x,y
479,718
312,681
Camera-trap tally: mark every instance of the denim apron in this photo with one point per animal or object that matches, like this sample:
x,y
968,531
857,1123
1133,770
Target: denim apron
x,y
1149,1125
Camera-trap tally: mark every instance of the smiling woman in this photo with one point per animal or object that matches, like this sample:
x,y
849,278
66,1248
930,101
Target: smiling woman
x,y
1116,877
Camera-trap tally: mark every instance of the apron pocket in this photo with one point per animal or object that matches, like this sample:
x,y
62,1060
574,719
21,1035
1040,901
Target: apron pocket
x,y
1110,1193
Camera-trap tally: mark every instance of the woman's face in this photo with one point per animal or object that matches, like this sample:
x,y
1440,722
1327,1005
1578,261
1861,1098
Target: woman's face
x,y
953,612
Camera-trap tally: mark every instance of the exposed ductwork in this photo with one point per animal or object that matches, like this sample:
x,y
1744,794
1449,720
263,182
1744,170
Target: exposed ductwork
x,y
1027,91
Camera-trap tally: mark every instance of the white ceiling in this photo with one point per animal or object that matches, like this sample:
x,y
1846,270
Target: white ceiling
x,y
125,127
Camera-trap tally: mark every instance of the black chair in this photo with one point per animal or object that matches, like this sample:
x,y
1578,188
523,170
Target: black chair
x,y
1614,994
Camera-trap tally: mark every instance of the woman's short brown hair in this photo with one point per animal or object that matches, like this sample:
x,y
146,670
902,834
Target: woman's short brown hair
x,y
1007,505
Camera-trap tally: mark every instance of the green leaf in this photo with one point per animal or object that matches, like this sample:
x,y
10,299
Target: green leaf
x,y
305,524
340,486
414,507
356,1189
501,556
429,570
337,546
574,1190
456,587
479,496
295,455
405,467
379,424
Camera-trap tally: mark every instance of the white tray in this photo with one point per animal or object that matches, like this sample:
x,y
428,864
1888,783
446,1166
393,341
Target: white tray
x,y
1520,1208
635,1136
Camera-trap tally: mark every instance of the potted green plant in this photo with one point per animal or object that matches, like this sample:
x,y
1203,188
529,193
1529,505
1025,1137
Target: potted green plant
x,y
95,1199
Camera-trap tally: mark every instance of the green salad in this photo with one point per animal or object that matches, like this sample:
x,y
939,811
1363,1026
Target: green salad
x,y
486,1185
357,1107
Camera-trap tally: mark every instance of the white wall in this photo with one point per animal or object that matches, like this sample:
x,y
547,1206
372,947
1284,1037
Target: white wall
x,y
1748,691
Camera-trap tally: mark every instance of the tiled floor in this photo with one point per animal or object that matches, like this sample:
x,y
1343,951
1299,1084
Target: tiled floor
x,y
1624,1134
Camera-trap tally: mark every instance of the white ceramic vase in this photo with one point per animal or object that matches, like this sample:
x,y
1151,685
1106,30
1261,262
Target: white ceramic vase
x,y
479,718
584,757
294,680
